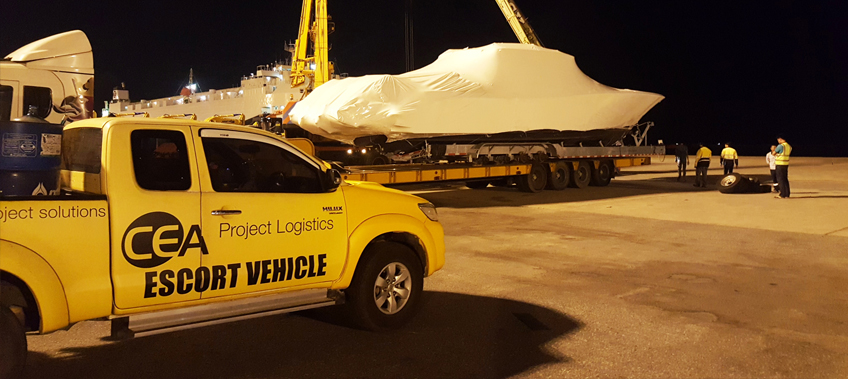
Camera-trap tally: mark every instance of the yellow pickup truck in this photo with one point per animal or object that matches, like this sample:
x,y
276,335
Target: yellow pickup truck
x,y
169,224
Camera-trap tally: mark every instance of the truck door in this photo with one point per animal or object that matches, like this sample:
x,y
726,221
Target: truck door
x,y
154,200
267,222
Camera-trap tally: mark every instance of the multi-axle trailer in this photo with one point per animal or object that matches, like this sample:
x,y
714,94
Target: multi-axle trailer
x,y
531,167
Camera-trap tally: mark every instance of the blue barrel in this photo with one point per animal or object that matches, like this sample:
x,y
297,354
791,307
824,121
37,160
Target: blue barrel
x,y
30,157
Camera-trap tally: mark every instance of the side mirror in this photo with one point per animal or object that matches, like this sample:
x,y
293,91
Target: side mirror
x,y
332,180
336,177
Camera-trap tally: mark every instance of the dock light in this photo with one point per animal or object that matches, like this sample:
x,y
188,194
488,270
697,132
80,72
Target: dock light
x,y
363,151
350,151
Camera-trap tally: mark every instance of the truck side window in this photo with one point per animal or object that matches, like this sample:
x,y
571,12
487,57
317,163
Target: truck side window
x,y
160,160
237,165
6,103
41,97
81,149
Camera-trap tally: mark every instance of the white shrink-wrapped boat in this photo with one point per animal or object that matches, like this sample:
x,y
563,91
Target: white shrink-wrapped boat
x,y
502,92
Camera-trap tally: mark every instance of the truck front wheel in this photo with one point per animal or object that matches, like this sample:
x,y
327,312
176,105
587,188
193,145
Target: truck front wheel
x,y
386,288
13,344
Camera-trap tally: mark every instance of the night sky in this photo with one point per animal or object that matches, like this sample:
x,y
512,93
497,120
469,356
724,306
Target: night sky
x,y
740,71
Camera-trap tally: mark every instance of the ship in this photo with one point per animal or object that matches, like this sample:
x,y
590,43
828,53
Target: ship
x,y
267,91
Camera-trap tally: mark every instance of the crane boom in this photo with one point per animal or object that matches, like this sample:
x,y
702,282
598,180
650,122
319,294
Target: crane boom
x,y
299,59
518,23
317,67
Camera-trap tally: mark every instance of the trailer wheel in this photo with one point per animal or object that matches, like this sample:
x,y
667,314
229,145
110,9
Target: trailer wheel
x,y
559,177
535,180
13,344
602,175
386,287
581,177
477,184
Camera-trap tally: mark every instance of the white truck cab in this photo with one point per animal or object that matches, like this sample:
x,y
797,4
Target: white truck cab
x,y
55,75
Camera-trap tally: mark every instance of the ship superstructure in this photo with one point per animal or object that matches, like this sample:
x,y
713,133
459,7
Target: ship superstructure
x,y
268,91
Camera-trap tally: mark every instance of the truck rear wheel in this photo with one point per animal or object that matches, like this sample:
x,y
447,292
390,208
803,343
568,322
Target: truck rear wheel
x,y
386,288
602,175
13,344
581,177
535,180
559,177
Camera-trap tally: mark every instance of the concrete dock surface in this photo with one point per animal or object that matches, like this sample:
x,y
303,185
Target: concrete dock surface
x,y
645,278
669,280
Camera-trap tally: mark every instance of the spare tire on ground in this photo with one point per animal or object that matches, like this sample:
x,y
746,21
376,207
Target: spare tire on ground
x,y
735,183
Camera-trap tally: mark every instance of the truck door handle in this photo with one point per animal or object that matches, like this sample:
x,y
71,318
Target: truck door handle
x,y
226,212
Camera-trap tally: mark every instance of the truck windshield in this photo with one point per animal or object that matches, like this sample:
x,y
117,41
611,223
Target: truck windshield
x,y
81,149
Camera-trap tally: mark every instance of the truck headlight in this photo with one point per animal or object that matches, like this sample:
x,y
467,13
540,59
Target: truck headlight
x,y
429,210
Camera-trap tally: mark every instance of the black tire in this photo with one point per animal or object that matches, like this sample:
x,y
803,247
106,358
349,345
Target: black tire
x,y
559,177
581,177
535,180
479,184
733,183
602,175
363,295
13,345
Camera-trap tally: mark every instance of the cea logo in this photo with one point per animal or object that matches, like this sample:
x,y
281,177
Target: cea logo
x,y
156,237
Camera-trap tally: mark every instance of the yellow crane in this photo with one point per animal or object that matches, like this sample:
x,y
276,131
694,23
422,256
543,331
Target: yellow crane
x,y
315,67
518,23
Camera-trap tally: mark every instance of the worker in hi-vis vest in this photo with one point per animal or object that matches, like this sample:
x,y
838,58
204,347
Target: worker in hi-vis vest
x,y
702,163
781,165
728,158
